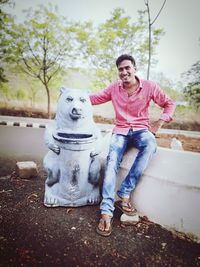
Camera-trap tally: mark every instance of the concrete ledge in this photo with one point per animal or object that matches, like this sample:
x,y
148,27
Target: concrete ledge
x,y
169,191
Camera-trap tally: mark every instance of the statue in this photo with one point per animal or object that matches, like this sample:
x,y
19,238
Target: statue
x,y
72,164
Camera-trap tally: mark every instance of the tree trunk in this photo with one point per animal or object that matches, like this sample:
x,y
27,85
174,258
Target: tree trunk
x,y
48,101
149,59
149,24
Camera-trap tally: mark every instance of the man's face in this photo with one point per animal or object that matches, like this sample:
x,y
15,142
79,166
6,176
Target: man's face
x,y
126,71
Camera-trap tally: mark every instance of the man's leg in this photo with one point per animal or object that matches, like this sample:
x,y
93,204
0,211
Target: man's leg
x,y
116,151
145,142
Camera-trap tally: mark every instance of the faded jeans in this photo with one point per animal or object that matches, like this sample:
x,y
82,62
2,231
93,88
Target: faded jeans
x,y
145,142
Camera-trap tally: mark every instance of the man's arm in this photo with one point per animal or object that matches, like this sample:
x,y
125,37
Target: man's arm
x,y
168,105
101,97
156,125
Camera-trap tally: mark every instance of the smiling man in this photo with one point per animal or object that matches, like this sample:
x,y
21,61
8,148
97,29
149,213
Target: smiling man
x,y
131,98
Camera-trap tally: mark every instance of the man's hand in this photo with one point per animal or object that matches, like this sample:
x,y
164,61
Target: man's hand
x,y
54,148
155,126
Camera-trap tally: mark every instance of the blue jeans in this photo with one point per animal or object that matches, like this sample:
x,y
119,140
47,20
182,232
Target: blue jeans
x,y
145,142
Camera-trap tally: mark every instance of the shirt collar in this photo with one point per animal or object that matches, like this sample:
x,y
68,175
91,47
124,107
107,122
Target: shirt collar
x,y
138,79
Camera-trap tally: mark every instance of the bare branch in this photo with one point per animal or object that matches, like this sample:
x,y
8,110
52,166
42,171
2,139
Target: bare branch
x,y
150,23
49,78
159,12
26,63
30,71
38,62
54,61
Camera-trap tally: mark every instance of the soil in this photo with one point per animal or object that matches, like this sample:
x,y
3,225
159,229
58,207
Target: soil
x,y
34,235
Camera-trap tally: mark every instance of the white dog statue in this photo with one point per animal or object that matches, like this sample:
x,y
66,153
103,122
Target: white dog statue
x,y
72,164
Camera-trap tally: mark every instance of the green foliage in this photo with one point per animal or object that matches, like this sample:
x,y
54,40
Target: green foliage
x,y
193,74
192,94
5,28
4,91
3,78
20,94
118,35
174,94
42,45
192,90
186,113
46,45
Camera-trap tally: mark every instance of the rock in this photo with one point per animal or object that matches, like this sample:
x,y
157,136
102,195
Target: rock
x,y
176,144
129,220
26,169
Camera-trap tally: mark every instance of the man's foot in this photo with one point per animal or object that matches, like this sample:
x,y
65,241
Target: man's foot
x,y
125,206
104,227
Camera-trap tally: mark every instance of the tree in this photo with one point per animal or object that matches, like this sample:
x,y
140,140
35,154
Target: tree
x,y
42,46
192,94
4,92
5,27
193,74
150,23
192,90
102,45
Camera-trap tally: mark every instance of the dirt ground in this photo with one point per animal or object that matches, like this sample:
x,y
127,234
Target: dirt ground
x,y
34,235
188,143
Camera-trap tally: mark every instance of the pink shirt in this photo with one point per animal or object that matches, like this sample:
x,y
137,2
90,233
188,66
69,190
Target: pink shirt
x,y
132,111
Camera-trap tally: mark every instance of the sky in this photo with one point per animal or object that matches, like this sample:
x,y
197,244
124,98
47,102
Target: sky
x,y
178,49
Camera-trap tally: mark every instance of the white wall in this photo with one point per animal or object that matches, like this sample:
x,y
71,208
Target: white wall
x,y
169,191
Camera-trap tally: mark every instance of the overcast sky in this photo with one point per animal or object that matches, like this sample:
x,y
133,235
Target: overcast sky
x,y
178,49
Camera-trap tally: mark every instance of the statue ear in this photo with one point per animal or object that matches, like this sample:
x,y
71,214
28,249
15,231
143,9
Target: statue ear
x,y
88,91
62,90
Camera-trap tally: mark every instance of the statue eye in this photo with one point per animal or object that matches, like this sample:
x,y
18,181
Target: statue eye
x,y
83,100
69,99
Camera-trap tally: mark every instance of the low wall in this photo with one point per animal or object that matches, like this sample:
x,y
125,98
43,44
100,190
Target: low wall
x,y
169,191
22,142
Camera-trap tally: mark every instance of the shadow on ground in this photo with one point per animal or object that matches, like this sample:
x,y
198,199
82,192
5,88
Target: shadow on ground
x,y
33,235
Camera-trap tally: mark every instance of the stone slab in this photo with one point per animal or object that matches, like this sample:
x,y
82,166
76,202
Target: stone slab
x,y
26,169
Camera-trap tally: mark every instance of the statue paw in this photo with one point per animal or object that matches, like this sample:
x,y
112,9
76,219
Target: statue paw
x,y
54,148
51,202
93,201
93,154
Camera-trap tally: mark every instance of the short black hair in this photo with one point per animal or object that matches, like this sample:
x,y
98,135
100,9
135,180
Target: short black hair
x,y
125,57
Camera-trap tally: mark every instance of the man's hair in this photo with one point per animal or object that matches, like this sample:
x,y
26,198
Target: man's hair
x,y
125,57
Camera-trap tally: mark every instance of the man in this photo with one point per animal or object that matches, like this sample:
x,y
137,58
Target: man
x,y
131,98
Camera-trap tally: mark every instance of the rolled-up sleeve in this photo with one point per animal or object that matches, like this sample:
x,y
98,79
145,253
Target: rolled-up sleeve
x,y
101,97
165,102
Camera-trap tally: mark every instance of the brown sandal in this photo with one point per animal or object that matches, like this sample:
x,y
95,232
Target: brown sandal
x,y
105,221
123,205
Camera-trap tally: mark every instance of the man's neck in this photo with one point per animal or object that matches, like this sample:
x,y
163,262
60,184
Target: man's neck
x,y
132,86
